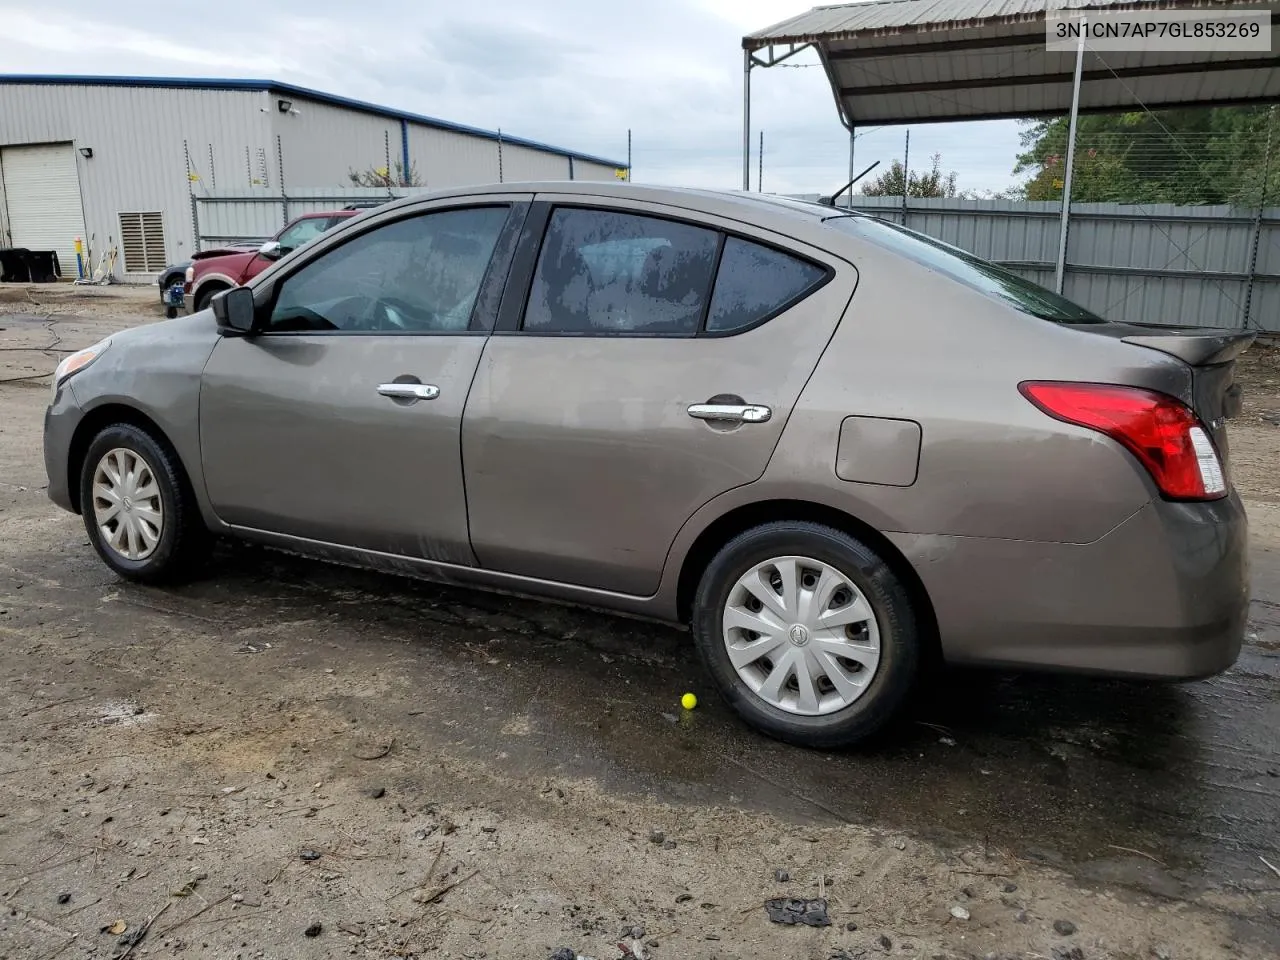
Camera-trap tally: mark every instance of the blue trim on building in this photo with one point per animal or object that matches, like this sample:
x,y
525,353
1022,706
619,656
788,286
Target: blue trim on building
x,y
213,83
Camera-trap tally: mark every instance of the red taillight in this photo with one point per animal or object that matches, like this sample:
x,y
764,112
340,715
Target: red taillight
x,y
1159,430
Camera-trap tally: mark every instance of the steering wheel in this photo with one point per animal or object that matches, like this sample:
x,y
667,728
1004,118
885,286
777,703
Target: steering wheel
x,y
395,314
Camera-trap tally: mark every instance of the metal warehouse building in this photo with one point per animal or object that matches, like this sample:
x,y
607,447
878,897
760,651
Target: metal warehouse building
x,y
123,160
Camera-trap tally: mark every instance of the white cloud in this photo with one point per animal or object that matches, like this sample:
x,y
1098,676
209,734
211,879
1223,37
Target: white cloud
x,y
575,73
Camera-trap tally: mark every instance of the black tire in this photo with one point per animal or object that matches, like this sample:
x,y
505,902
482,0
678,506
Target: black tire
x,y
206,297
900,644
184,540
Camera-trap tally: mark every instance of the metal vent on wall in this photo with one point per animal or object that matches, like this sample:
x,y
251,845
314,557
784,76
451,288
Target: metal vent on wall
x,y
142,242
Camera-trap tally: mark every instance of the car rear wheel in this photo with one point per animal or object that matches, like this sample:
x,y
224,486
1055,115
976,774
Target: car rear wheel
x,y
807,632
137,506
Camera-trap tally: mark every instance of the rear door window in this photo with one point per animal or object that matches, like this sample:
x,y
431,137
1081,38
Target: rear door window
x,y
610,272
756,282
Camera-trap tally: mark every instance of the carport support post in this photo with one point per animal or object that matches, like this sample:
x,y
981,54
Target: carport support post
x,y
852,139
1059,276
746,119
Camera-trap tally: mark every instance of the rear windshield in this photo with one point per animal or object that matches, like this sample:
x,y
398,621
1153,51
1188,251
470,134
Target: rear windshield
x,y
974,272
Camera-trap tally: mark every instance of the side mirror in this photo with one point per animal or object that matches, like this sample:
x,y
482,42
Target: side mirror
x,y
271,250
234,310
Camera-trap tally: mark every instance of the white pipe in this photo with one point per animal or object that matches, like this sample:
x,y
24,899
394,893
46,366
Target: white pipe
x,y
1071,157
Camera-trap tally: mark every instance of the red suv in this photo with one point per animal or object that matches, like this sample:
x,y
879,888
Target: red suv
x,y
214,270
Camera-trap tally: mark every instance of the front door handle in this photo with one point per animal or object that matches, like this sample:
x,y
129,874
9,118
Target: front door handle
x,y
731,412
409,391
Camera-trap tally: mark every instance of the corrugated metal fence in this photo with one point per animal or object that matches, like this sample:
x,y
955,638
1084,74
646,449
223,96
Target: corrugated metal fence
x,y
224,215
1155,263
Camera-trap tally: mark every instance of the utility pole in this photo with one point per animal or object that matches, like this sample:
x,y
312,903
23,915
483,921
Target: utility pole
x,y
628,154
906,175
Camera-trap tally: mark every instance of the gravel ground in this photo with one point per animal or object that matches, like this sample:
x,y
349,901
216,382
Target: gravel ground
x,y
291,760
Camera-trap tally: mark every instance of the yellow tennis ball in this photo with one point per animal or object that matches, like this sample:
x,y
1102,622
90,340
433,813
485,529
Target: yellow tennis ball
x,y
688,701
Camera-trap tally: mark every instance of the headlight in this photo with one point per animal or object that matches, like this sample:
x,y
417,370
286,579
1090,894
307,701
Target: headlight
x,y
191,274
75,362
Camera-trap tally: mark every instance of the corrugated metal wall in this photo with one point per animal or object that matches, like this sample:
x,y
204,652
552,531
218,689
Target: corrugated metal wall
x,y
586,170
238,141
523,163
445,159
1155,263
230,214
136,135
321,144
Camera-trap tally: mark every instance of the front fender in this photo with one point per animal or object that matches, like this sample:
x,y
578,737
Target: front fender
x,y
156,371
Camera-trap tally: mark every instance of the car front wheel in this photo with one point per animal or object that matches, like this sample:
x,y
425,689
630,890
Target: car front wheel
x,y
138,509
808,633
206,297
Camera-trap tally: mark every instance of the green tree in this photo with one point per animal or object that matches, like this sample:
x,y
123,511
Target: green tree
x,y
382,177
920,183
1194,156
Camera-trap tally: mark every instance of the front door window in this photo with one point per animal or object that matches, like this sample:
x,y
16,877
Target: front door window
x,y
418,275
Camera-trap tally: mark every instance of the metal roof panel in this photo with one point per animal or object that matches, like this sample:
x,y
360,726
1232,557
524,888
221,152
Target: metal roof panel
x,y
231,83
897,61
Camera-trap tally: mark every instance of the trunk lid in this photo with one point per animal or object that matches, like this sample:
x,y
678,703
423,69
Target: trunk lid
x,y
1210,353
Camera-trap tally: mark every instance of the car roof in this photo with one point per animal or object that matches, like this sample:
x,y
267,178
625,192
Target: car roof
x,y
789,217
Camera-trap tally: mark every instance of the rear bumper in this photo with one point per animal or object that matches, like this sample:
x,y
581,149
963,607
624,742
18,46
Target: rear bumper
x,y
1163,595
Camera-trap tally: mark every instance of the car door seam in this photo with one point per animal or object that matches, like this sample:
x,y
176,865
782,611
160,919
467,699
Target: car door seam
x,y
768,460
518,229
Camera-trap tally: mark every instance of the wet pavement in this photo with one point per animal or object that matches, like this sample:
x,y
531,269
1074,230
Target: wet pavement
x,y
1170,788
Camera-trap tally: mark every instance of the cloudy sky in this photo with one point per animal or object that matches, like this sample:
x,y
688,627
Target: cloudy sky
x,y
576,73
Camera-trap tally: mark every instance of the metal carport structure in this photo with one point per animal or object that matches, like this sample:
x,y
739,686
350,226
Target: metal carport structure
x,y
928,61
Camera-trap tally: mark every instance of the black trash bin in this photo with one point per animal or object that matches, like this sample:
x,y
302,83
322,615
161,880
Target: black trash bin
x,y
20,265
43,266
13,266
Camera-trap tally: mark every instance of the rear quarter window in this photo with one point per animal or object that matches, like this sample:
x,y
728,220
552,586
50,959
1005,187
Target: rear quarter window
x,y
755,282
985,277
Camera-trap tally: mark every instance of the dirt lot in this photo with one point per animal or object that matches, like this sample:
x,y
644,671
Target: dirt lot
x,y
286,749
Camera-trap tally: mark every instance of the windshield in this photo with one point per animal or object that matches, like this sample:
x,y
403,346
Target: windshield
x,y
974,272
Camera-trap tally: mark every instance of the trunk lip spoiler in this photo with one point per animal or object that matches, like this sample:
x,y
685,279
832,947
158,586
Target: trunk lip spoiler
x,y
1199,348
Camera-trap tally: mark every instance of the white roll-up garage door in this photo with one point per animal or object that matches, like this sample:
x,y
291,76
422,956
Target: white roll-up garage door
x,y
42,199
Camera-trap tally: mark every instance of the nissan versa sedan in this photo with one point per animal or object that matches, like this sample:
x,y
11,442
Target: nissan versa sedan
x,y
836,449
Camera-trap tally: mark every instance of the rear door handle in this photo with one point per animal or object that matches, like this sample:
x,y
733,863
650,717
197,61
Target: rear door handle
x,y
409,391
732,412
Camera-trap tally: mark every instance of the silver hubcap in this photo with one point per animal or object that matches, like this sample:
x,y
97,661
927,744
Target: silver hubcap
x,y
126,504
801,635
